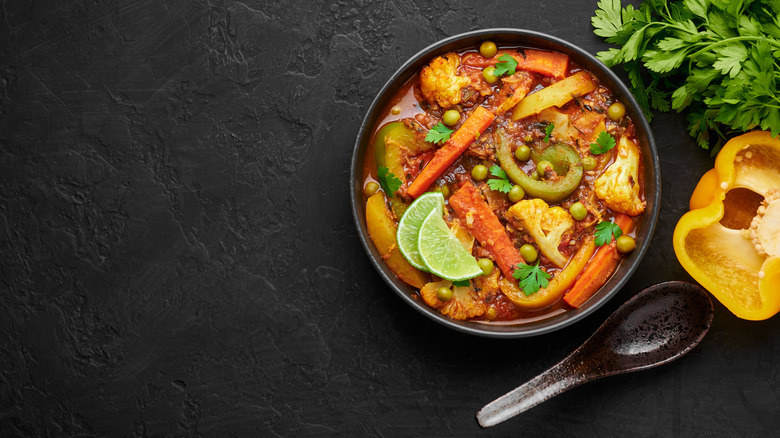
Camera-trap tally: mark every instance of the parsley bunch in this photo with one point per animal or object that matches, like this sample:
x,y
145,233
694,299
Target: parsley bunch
x,y
717,58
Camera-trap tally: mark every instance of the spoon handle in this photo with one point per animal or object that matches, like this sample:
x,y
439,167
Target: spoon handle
x,y
554,381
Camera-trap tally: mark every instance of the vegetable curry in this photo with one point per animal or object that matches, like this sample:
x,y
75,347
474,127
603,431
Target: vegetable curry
x,y
540,174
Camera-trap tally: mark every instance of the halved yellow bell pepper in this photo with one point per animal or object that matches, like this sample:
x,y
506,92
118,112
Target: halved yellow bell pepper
x,y
727,256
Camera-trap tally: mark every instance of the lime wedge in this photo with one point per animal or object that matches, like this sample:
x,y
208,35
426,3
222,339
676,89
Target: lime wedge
x,y
442,252
409,225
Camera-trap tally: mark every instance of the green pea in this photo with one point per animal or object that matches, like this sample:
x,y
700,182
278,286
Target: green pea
x,y
625,244
395,110
542,166
491,313
370,188
616,111
578,211
588,163
444,294
451,117
479,172
523,152
444,190
528,253
488,49
516,193
486,265
489,75
536,176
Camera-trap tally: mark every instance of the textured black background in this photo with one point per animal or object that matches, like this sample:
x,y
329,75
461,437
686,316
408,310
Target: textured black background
x,y
178,258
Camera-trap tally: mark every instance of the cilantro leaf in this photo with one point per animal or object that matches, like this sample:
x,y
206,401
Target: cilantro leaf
x,y
496,170
698,7
389,182
681,97
532,278
661,61
608,21
439,134
461,283
507,66
658,98
604,232
603,144
608,56
548,132
669,43
501,183
701,78
633,48
730,58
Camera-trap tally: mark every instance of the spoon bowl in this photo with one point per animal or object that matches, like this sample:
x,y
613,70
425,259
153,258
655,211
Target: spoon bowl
x,y
656,326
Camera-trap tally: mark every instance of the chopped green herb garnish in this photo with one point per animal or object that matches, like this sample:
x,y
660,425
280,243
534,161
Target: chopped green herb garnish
x,y
716,58
501,181
604,232
532,278
548,132
439,134
603,143
389,182
506,66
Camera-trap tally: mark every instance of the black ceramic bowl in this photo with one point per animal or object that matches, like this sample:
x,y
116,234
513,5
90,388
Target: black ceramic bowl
x,y
530,39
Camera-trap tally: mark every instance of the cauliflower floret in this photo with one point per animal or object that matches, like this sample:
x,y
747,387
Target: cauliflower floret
x,y
487,287
464,303
546,225
440,83
618,186
765,228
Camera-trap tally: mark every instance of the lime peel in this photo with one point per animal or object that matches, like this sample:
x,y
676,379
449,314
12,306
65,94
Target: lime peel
x,y
442,253
409,226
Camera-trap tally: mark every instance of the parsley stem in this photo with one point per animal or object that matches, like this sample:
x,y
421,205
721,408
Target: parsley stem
x,y
709,46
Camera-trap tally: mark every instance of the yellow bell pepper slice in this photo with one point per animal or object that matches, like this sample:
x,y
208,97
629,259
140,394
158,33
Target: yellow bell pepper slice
x,y
382,231
722,259
560,283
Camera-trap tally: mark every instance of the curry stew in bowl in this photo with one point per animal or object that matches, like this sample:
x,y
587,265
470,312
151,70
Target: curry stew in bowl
x,y
522,157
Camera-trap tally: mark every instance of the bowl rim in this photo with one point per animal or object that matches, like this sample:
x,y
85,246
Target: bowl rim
x,y
652,176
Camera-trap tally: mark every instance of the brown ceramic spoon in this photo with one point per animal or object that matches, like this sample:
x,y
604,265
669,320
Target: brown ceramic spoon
x,y
658,325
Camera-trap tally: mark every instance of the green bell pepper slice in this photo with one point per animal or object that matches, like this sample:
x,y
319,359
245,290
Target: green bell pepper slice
x,y
565,160
392,144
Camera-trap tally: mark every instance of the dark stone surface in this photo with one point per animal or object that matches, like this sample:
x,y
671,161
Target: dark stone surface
x,y
177,254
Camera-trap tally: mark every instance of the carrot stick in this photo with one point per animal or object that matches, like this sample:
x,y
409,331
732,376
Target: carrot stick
x,y
594,276
473,210
473,127
600,268
547,63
